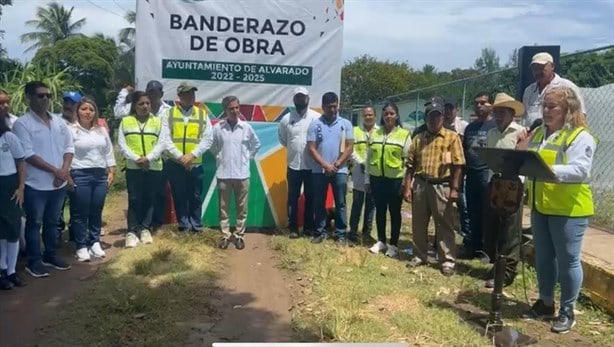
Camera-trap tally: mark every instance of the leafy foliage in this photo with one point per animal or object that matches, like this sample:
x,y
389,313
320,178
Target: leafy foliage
x,y
589,70
54,23
89,60
58,81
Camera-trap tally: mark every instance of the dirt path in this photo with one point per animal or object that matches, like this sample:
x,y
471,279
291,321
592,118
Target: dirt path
x,y
252,301
255,304
25,313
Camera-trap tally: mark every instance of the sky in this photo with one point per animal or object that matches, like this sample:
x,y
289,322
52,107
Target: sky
x,y
445,33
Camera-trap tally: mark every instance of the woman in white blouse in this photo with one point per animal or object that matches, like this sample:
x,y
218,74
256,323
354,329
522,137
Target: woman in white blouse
x,y
92,172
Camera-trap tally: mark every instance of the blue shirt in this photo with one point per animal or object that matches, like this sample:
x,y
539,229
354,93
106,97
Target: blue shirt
x,y
476,136
329,139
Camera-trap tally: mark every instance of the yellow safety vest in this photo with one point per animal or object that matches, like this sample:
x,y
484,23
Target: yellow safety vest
x,y
361,141
141,139
187,136
386,153
559,199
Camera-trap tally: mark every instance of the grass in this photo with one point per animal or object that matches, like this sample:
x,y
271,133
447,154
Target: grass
x,y
349,295
146,296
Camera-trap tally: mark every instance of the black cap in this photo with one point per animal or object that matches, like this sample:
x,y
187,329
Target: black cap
x,y
154,85
434,99
449,101
436,104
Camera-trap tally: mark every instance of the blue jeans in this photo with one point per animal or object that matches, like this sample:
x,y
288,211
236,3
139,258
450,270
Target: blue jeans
x,y
465,227
187,188
360,198
42,209
87,201
558,243
296,179
320,186
475,192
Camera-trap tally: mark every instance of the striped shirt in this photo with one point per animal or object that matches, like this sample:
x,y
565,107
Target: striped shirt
x,y
432,155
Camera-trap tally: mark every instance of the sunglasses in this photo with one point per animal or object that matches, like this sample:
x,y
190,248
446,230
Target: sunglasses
x,y
43,95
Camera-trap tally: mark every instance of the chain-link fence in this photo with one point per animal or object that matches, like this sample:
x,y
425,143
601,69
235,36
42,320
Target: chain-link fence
x,y
592,71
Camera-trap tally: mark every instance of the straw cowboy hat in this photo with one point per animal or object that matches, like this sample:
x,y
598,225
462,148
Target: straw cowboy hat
x,y
504,100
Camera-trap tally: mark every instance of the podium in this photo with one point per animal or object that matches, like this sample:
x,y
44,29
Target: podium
x,y
506,198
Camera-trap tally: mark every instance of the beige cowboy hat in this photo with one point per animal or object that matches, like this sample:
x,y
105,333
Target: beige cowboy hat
x,y
504,100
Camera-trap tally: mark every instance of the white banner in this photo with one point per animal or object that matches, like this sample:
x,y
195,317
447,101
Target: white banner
x,y
257,50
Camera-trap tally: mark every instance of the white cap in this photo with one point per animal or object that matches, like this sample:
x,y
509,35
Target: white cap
x,y
542,58
301,90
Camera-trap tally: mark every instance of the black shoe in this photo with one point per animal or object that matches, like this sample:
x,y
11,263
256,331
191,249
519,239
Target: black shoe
x,y
367,239
239,243
293,235
5,284
16,281
224,242
308,232
342,242
37,270
490,283
317,239
56,263
564,322
539,310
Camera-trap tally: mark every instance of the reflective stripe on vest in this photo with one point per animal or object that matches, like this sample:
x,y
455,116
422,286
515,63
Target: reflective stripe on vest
x,y
361,138
386,153
141,139
559,199
187,136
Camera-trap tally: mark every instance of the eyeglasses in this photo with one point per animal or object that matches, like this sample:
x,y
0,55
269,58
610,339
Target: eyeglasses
x,y
43,95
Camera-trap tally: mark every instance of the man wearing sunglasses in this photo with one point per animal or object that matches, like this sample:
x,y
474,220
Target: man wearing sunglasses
x,y
49,150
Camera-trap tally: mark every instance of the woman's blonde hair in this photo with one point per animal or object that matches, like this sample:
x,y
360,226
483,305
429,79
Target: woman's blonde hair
x,y
570,101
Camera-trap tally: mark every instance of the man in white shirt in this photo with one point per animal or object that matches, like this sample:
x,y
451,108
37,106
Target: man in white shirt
x,y
5,108
49,150
187,125
362,133
154,90
234,143
292,133
503,235
70,100
542,68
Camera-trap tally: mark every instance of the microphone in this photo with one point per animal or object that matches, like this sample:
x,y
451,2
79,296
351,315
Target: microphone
x,y
536,123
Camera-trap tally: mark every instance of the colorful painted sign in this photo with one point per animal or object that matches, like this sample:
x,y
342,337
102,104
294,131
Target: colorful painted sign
x,y
258,51
267,185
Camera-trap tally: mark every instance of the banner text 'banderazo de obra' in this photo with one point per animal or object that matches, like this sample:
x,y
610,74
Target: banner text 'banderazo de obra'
x,y
238,25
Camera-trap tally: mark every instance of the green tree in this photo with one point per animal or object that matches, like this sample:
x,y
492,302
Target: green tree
x,y
89,60
53,23
58,81
124,70
488,61
368,80
589,70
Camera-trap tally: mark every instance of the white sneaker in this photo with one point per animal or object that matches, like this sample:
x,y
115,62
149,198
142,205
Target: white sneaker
x,y
146,237
131,240
392,252
82,254
102,232
378,247
96,251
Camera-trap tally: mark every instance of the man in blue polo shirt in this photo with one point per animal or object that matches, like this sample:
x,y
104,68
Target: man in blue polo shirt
x,y
330,142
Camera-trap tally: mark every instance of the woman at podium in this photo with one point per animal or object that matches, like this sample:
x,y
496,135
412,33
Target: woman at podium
x,y
560,209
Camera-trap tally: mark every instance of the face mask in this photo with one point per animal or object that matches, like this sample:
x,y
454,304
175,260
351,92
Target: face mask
x,y
300,106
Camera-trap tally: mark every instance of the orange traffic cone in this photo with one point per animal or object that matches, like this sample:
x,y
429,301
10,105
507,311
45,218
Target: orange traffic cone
x,y
170,217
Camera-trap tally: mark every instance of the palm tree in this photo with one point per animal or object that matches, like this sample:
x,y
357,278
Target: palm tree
x,y
124,69
53,24
127,35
